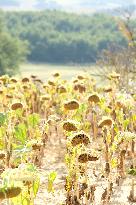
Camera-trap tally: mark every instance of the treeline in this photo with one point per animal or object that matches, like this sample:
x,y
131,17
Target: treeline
x,y
13,51
59,37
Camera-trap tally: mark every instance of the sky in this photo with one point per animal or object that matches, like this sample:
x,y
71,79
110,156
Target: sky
x,y
77,1
29,4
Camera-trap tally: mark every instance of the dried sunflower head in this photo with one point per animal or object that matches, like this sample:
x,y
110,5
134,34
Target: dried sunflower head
x,y
9,192
33,76
4,78
16,106
51,82
9,96
94,98
80,77
71,105
13,80
106,121
56,75
61,89
37,146
85,157
25,87
80,87
107,89
25,80
69,125
38,81
75,81
45,86
80,138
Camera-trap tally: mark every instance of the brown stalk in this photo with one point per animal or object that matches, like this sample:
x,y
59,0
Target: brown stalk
x,y
95,128
107,165
121,165
132,197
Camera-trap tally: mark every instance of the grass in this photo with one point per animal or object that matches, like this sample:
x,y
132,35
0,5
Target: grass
x,y
44,71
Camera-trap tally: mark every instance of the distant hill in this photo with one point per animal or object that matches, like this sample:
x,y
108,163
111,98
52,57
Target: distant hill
x,y
67,5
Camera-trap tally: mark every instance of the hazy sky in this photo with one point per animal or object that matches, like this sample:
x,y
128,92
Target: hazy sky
x,y
77,1
28,4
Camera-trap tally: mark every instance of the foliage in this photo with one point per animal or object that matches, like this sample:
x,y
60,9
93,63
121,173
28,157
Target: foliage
x,y
12,51
132,172
60,37
51,178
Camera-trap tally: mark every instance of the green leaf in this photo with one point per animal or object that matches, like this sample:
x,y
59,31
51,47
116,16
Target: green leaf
x,y
114,163
116,129
114,147
126,123
25,201
18,113
36,185
31,168
3,118
21,132
132,172
2,132
51,178
33,120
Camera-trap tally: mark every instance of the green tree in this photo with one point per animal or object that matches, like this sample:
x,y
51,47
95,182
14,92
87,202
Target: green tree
x,y
60,37
12,51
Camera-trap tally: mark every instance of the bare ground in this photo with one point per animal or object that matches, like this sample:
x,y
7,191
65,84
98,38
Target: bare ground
x,y
54,161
